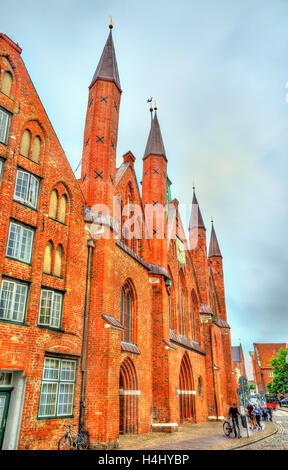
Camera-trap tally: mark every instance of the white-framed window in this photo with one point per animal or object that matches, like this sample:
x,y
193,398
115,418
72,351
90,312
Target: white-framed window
x,y
57,388
50,308
4,125
26,188
20,242
13,299
1,167
270,373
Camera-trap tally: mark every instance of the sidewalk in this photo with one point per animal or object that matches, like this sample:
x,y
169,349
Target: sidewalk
x,y
192,437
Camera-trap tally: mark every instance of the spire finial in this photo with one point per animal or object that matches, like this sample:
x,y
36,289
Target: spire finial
x,y
212,220
155,106
111,23
193,187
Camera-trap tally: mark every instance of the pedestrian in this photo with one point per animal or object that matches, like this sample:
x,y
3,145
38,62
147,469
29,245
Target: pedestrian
x,y
258,416
250,410
265,413
234,413
270,412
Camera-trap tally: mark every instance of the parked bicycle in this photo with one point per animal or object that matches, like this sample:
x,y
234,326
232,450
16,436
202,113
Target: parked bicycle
x,y
227,427
73,440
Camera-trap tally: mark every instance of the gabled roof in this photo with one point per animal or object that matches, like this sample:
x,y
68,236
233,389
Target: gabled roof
x,y
107,68
265,352
214,249
155,144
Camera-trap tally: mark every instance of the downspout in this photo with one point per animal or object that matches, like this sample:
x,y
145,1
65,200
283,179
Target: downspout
x,y
91,245
213,372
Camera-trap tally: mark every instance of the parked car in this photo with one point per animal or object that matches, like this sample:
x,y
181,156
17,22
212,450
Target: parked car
x,y
284,401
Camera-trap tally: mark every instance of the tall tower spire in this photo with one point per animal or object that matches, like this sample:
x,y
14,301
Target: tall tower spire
x,y
154,190
196,219
98,172
214,249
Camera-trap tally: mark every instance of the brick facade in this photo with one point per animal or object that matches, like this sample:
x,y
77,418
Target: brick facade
x,y
122,334
262,367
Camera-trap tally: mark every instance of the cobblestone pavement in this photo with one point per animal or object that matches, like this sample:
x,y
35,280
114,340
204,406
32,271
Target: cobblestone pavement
x,y
191,437
278,441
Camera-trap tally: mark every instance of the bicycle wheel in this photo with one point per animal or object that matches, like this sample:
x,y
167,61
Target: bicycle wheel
x,y
83,441
227,428
65,443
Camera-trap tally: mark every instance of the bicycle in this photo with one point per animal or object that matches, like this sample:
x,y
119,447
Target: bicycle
x,y
227,427
73,439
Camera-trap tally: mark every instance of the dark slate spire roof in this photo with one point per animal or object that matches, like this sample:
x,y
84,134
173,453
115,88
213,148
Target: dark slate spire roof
x,y
155,144
196,219
214,249
107,67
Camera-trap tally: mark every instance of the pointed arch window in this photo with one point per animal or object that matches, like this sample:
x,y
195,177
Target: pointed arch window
x,y
126,314
7,83
58,261
53,204
62,209
36,148
25,143
48,258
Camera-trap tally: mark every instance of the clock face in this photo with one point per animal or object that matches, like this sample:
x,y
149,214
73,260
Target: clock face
x,y
180,251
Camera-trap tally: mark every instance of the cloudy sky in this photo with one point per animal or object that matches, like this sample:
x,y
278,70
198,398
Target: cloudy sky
x,y
219,72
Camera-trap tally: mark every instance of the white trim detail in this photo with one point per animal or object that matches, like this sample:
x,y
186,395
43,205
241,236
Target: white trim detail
x,y
129,392
166,425
185,392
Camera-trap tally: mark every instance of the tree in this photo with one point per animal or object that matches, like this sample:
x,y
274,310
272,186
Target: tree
x,y
279,384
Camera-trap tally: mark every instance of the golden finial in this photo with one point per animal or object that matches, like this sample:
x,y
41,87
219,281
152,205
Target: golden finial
x,y
212,220
155,105
111,23
193,187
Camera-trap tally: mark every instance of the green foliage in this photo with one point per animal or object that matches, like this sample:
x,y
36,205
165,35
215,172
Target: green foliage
x,y
279,384
251,386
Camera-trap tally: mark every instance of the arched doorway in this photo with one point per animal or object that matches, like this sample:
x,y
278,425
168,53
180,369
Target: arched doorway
x,y
128,398
186,391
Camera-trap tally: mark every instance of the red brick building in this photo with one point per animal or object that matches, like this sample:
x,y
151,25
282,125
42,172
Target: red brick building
x,y
261,363
238,362
121,335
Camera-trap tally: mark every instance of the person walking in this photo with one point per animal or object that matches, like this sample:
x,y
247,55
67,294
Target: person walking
x,y
250,411
234,413
270,412
257,410
265,413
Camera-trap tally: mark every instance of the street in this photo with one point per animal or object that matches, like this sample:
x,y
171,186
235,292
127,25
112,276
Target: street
x,y
278,441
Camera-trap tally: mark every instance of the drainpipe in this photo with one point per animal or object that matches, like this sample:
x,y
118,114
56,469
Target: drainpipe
x,y
91,245
213,372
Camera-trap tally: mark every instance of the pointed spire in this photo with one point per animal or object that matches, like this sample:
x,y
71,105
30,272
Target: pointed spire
x,y
214,249
107,68
155,144
196,219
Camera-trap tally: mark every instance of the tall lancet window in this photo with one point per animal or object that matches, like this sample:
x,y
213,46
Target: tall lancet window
x,y
126,315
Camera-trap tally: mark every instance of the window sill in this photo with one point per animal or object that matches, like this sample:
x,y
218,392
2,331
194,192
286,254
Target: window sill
x,y
13,322
59,221
35,209
55,417
53,275
30,159
19,260
47,327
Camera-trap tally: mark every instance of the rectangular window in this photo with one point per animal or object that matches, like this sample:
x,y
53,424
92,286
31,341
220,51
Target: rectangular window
x,y
57,388
4,124
270,373
13,298
50,308
20,241
26,188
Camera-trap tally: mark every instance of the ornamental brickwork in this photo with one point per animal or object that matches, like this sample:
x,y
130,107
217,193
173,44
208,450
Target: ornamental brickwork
x,y
116,334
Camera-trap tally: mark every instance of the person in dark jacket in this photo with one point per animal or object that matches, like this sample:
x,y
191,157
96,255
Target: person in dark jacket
x,y
234,413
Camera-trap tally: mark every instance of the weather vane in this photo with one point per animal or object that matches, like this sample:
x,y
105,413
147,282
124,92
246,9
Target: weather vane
x,y
151,108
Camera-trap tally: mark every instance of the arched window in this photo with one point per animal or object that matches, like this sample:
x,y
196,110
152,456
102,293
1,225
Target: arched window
x,y
126,314
25,143
7,83
48,258
58,261
182,305
200,387
62,208
53,204
36,148
193,313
